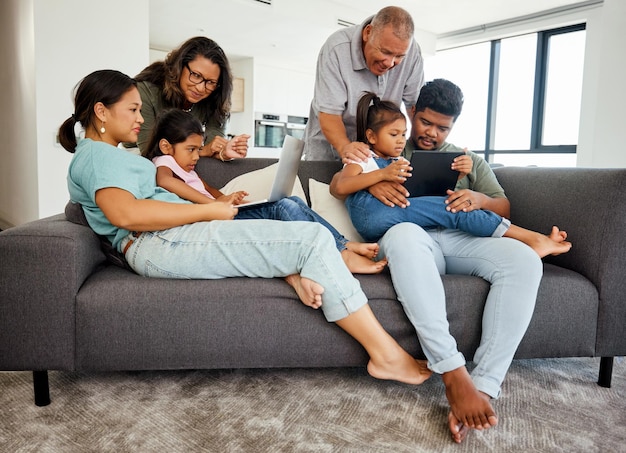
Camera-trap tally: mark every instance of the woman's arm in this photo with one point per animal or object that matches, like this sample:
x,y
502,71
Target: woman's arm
x,y
125,211
165,178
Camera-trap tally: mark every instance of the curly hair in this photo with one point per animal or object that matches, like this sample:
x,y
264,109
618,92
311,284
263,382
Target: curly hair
x,y
166,75
441,96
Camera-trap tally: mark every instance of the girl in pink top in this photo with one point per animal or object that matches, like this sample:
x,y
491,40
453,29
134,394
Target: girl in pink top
x,y
174,149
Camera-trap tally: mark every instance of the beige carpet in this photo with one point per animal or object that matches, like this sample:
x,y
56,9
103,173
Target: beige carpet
x,y
547,406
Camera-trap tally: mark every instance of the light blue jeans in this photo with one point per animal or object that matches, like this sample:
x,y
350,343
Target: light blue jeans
x,y
372,218
416,260
291,209
254,248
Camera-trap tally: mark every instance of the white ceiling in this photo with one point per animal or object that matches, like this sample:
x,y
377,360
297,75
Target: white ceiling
x,y
291,32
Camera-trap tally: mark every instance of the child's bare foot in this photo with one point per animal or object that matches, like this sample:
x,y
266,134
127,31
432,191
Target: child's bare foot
x,y
469,408
359,264
402,369
368,250
554,244
309,292
542,244
557,235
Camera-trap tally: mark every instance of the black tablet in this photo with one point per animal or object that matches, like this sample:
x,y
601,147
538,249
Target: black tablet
x,y
431,173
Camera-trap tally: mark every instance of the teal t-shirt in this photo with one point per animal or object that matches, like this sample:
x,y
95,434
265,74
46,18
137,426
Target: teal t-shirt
x,y
98,165
481,179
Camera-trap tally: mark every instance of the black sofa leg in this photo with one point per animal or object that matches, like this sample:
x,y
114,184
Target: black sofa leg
x,y
42,389
606,372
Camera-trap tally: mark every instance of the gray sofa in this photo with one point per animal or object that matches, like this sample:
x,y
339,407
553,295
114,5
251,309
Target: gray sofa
x,y
63,306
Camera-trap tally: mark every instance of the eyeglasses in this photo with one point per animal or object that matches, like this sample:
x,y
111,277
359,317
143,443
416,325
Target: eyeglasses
x,y
197,79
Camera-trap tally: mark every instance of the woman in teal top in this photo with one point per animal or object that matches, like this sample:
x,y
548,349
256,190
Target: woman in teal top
x,y
164,236
196,78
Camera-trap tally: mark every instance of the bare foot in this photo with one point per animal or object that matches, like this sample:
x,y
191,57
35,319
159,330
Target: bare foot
x,y
543,245
458,429
364,249
359,264
469,408
554,244
404,369
557,235
309,292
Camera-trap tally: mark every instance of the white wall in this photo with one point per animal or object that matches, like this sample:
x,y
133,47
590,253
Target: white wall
x,y
18,153
602,131
47,48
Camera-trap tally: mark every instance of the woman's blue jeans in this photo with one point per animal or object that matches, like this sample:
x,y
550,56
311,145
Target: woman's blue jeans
x,y
250,248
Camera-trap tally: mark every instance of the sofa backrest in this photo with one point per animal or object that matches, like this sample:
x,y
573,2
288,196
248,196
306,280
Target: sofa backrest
x,y
218,173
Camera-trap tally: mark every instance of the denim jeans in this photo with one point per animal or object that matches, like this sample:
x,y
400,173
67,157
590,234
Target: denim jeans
x,y
416,260
372,218
290,209
252,248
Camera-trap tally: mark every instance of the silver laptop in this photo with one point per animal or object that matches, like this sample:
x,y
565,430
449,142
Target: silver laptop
x,y
431,174
286,172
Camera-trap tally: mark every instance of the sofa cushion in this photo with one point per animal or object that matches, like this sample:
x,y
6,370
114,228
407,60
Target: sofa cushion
x,y
75,214
332,209
258,184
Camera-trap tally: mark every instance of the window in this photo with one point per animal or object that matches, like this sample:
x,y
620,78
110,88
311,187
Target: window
x,y
522,96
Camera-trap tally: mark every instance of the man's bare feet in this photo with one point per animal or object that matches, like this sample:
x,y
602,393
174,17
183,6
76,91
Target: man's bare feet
x,y
543,245
469,408
359,264
368,250
402,369
309,292
457,429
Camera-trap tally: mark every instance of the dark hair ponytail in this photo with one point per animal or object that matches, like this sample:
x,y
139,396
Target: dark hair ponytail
x,y
106,86
374,113
175,126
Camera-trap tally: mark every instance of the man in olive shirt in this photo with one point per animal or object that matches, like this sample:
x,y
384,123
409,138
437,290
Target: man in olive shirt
x,y
418,257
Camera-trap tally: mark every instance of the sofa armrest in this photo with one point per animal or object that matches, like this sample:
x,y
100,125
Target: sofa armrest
x,y
589,204
44,263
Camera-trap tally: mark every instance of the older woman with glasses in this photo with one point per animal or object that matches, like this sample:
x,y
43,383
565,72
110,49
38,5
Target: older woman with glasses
x,y
195,78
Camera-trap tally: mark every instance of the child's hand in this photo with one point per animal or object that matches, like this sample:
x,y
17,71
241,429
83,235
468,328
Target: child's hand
x,y
397,171
219,210
234,198
463,164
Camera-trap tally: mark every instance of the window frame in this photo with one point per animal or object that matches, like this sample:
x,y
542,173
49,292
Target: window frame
x,y
539,97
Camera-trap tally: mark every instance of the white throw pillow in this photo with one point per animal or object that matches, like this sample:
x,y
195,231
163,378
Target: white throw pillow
x,y
332,209
258,184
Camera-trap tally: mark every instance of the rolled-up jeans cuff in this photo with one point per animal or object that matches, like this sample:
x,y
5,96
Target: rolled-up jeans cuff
x,y
449,364
487,386
347,307
504,226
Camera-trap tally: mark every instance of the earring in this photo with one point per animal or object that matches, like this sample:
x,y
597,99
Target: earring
x,y
102,129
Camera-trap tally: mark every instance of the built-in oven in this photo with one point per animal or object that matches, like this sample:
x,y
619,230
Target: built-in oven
x,y
296,125
269,130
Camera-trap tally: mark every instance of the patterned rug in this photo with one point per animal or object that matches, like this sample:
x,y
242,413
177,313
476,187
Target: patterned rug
x,y
548,405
